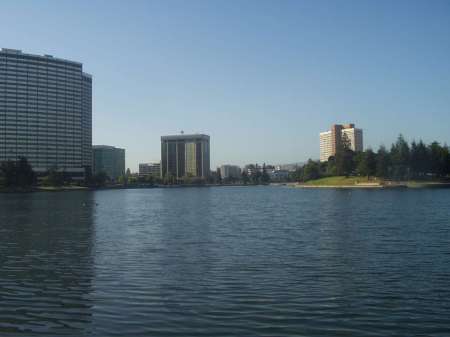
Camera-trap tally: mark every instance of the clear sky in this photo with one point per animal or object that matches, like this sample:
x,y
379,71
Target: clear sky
x,y
262,78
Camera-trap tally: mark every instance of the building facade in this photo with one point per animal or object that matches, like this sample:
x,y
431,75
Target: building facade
x,y
230,172
150,169
279,175
45,112
185,156
332,140
109,160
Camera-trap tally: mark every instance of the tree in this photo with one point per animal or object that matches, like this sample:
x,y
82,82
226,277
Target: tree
x,y
265,178
438,159
400,158
256,176
344,162
371,159
9,172
331,167
244,177
366,163
169,179
18,174
311,171
419,159
362,167
382,163
54,178
100,179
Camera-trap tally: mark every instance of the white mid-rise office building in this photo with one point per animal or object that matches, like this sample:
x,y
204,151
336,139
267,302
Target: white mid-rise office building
x,y
150,169
230,171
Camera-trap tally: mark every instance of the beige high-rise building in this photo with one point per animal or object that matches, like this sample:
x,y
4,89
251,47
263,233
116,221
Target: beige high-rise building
x,y
185,155
331,140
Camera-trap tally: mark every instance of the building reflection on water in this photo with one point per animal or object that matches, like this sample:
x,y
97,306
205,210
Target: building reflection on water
x,y
46,263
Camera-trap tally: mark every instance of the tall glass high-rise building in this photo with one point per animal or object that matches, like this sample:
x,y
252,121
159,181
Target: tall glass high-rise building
x,y
45,112
185,156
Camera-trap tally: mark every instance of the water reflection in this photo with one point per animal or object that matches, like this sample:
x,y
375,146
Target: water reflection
x,y
46,263
256,261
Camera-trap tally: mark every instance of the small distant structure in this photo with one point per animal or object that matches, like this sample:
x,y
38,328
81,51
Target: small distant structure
x,y
150,169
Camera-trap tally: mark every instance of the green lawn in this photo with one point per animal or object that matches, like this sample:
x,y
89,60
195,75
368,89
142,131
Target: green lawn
x,y
340,181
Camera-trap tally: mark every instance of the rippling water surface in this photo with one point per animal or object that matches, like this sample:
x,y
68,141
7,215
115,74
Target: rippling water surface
x,y
231,261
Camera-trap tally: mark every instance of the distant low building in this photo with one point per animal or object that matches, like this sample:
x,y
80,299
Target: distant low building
x,y
230,171
251,169
279,175
332,140
289,167
150,169
110,160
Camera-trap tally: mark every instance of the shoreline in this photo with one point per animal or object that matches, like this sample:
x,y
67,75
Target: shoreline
x,y
376,186
35,189
409,185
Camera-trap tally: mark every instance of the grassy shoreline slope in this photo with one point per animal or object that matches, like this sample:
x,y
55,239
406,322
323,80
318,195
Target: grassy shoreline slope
x,y
364,182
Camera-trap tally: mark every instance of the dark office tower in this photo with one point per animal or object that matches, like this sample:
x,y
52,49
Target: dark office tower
x,y
185,156
109,160
45,112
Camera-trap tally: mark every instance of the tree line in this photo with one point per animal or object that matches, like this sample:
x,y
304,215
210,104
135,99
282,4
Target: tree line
x,y
403,161
20,174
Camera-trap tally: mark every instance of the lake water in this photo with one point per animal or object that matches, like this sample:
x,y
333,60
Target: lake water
x,y
230,261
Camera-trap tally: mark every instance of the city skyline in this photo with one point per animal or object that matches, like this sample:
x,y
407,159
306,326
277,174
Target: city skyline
x,y
262,94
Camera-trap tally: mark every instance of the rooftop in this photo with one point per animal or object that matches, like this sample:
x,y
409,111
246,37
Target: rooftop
x,y
45,56
185,137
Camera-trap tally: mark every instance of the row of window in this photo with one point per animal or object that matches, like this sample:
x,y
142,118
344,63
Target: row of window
x,y
39,94
34,104
41,103
42,152
46,154
42,97
24,65
43,83
42,119
68,137
35,73
39,85
48,129
13,74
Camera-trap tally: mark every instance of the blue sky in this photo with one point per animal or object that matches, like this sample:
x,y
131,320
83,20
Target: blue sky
x,y
263,78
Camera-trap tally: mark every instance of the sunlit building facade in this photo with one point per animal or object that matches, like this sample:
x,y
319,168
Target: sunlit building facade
x,y
332,140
